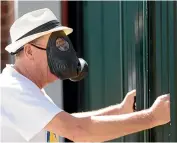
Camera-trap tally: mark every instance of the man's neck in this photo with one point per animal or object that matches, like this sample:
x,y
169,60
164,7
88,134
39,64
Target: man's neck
x,y
30,74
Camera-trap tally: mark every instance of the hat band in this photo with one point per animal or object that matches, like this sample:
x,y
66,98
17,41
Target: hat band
x,y
42,28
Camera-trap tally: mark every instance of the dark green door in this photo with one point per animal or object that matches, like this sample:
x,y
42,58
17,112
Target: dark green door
x,y
131,45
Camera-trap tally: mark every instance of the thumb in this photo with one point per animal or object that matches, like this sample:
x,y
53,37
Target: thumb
x,y
132,93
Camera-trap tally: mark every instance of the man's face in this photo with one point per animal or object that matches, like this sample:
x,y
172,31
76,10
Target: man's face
x,y
53,56
40,63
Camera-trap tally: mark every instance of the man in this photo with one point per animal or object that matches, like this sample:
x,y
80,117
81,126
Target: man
x,y
43,54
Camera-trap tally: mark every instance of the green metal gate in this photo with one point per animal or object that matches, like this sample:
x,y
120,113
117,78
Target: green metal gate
x,y
131,45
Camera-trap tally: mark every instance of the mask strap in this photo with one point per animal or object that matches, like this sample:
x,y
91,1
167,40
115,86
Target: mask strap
x,y
38,47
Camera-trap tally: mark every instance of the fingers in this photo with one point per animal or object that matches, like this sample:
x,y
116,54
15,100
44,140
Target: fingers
x,y
132,93
164,97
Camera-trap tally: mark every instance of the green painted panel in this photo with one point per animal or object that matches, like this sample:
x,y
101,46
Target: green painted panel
x,y
112,55
142,65
94,54
165,64
158,132
130,31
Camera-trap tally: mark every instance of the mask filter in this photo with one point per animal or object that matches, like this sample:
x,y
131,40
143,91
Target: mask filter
x,y
82,70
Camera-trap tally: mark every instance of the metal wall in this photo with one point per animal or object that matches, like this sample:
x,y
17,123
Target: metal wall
x,y
131,45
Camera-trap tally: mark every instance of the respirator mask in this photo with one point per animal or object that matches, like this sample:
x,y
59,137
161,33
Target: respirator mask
x,y
62,59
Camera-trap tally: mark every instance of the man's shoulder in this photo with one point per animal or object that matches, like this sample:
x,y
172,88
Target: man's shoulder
x,y
10,81
10,78
16,85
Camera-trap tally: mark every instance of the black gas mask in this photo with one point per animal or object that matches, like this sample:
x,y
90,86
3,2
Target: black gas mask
x,y
62,59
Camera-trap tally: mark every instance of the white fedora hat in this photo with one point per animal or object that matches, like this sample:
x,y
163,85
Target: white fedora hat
x,y
33,25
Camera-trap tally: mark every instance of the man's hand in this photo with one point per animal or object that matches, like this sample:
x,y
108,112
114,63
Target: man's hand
x,y
161,110
126,106
128,102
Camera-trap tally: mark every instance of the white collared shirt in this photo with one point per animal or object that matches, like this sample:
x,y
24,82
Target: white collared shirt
x,y
25,109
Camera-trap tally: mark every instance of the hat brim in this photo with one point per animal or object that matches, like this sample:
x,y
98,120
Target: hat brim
x,y
14,46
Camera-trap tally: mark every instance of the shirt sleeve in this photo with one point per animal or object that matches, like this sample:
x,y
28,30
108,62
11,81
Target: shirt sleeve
x,y
28,110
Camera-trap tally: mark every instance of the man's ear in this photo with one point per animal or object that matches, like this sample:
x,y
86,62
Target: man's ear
x,y
28,51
